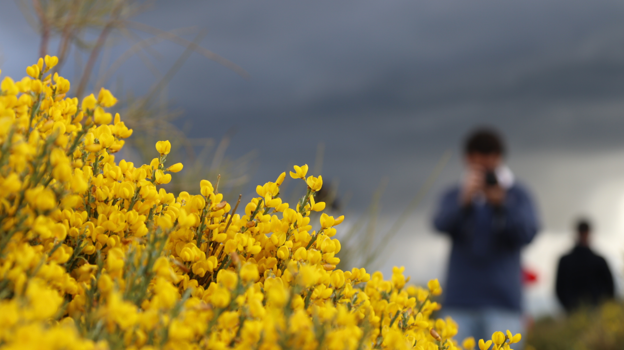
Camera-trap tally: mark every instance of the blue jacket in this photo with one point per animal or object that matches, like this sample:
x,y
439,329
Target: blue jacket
x,y
484,268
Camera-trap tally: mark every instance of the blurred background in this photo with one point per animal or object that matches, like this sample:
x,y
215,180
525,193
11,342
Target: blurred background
x,y
375,96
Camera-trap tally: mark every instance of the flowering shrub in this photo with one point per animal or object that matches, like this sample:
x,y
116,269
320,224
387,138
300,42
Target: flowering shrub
x,y
94,255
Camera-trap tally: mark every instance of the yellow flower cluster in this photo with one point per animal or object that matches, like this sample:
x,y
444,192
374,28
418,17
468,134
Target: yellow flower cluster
x,y
95,255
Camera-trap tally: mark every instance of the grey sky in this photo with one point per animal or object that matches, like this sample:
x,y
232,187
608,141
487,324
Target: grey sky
x,y
389,86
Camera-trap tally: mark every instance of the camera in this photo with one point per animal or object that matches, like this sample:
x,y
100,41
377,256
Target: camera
x,y
490,178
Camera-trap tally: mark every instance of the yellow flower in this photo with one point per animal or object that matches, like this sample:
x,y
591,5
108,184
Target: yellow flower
x,y
62,172
106,99
40,198
308,276
513,338
315,183
283,253
469,343
326,221
484,345
179,332
228,278
397,277
300,172
320,206
50,62
434,287
177,167
300,254
206,188
102,235
420,321
277,295
115,262
220,298
126,190
105,284
337,278
9,87
89,102
163,147
33,71
280,179
100,117
498,338
62,85
164,222
10,184
162,178
249,272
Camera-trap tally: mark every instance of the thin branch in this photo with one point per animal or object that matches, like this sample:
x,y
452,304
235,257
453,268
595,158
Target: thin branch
x,y
134,38
171,72
67,35
371,227
220,151
104,61
181,41
218,181
233,212
25,9
45,28
134,49
96,51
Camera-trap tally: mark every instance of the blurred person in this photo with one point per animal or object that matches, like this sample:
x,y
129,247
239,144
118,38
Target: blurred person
x,y
583,277
489,217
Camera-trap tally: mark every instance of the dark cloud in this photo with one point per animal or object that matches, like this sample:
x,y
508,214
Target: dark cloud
x,y
388,87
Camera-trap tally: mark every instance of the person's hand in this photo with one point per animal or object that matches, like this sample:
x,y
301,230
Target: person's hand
x,y
472,185
495,195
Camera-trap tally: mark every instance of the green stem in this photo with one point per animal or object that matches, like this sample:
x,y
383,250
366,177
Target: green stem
x,y
313,239
33,111
308,298
394,318
202,226
135,198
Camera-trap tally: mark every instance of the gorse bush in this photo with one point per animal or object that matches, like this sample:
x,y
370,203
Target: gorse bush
x,y
94,255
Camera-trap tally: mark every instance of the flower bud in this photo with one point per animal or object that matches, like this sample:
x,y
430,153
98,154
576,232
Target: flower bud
x,y
175,168
163,147
435,334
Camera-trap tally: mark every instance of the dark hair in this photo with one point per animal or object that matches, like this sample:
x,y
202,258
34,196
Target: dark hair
x,y
484,141
583,226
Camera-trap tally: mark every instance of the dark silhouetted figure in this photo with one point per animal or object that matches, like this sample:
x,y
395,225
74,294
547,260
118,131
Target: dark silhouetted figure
x,y
583,277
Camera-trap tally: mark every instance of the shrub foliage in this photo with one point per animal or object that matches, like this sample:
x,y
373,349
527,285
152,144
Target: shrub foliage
x,y
95,254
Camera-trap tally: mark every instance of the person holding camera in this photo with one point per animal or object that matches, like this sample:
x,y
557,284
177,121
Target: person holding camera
x,y
489,217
